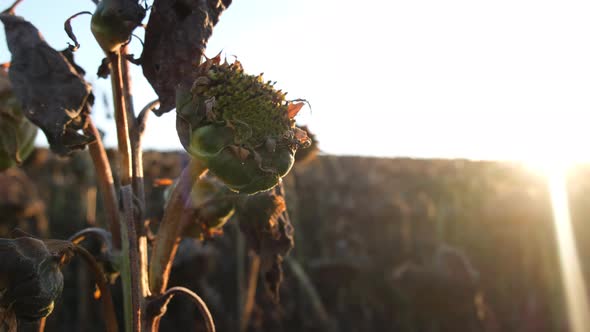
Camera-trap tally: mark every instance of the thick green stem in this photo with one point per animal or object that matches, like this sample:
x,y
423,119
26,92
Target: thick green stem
x,y
169,232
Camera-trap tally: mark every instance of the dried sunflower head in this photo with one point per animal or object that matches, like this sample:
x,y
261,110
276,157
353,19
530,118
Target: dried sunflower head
x,y
239,126
30,275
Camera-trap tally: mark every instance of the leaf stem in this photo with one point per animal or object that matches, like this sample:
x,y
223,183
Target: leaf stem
x,y
96,232
105,291
157,307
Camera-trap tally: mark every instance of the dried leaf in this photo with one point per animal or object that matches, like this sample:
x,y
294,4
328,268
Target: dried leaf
x,y
53,94
265,223
104,69
175,39
293,109
70,31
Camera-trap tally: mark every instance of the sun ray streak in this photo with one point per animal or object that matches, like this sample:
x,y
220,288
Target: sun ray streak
x,y
578,310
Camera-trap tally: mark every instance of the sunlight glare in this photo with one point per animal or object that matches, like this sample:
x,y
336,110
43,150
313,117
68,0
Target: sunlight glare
x,y
578,310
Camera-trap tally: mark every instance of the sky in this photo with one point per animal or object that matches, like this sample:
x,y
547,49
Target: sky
x,y
507,80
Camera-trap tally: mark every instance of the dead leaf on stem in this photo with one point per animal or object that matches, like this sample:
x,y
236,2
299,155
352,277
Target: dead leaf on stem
x,y
264,221
175,39
52,92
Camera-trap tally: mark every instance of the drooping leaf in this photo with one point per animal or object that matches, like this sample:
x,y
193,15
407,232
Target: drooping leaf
x,y
175,39
53,95
265,223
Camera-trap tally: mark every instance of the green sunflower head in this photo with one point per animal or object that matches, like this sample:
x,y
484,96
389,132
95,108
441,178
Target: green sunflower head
x,y
239,126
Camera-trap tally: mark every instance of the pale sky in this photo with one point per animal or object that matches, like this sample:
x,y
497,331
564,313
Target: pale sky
x,y
472,79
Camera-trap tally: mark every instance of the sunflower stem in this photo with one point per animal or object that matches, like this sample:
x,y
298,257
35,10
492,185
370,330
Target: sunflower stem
x,y
169,232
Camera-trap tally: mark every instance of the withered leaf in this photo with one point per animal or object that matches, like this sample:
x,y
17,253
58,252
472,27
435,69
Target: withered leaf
x,y
175,39
53,94
265,223
70,31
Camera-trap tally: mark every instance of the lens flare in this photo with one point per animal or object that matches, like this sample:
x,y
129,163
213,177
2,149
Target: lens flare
x,y
575,292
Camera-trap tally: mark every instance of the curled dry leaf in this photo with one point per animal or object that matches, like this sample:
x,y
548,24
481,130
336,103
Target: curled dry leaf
x,y
52,92
175,39
70,31
265,223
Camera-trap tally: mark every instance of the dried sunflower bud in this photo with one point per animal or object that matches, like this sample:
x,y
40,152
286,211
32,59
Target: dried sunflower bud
x,y
210,206
30,276
17,134
114,21
239,126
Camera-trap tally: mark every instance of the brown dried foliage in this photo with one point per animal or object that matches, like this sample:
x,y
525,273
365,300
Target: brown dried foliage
x,y
175,40
265,223
52,92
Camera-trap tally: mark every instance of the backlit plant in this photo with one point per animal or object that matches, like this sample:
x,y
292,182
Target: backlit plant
x,y
232,123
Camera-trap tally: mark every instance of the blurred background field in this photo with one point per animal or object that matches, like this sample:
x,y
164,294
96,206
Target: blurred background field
x,y
381,245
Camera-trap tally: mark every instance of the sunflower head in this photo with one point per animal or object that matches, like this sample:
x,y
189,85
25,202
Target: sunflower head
x,y
239,126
